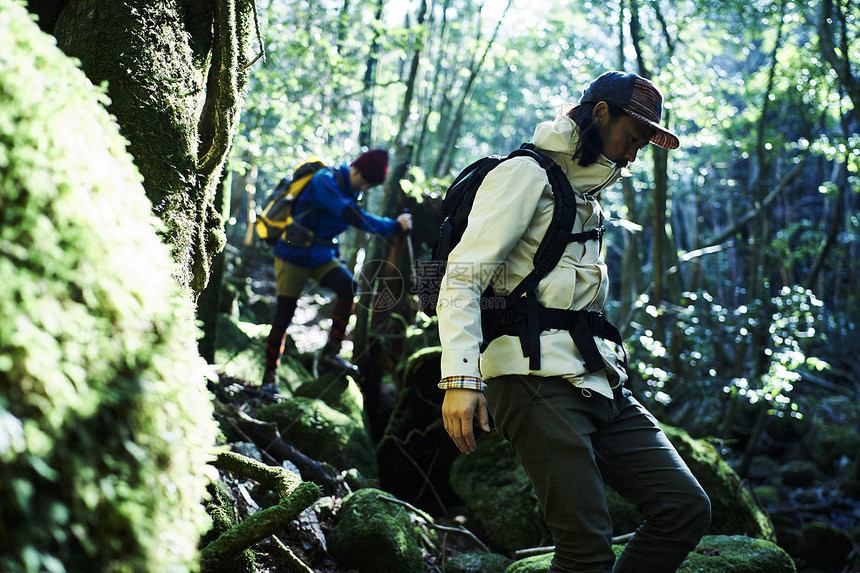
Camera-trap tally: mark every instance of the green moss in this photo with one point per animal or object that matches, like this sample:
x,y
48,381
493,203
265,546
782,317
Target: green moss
x,y
140,49
372,535
101,386
339,392
733,508
498,494
477,563
715,554
220,509
323,433
737,554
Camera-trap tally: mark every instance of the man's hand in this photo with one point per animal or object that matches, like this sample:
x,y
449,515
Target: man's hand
x,y
458,412
405,220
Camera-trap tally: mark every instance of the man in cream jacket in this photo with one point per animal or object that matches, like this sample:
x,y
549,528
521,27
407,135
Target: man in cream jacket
x,y
572,429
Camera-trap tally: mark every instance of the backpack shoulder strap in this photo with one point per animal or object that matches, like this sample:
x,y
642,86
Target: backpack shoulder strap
x,y
558,233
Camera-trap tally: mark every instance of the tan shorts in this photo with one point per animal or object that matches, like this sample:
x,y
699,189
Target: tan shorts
x,y
290,279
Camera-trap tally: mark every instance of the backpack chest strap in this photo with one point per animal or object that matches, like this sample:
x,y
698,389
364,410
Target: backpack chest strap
x,y
595,234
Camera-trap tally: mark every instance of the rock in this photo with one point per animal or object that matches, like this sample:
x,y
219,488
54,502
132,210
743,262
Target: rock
x,y
825,547
801,473
540,563
499,495
738,554
763,468
834,435
373,535
769,495
339,392
322,433
715,554
625,517
477,563
733,508
415,453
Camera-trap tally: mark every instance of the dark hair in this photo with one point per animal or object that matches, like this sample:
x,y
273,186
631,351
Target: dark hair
x,y
590,143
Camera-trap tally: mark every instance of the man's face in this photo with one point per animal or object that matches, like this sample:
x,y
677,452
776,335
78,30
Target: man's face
x,y
357,181
622,137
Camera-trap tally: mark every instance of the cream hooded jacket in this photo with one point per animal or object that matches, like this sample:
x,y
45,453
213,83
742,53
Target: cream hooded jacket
x,y
508,220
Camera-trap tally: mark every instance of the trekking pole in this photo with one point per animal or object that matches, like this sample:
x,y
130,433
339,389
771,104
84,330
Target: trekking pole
x,y
413,275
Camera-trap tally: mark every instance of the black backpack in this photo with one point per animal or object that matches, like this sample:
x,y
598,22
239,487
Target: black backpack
x,y
501,315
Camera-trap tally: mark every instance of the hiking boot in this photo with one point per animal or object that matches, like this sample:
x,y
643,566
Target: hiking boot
x,y
331,362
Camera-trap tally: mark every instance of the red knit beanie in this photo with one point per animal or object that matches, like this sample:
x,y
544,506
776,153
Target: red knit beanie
x,y
373,165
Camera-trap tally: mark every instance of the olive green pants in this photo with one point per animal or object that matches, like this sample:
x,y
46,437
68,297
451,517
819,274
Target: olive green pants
x,y
570,442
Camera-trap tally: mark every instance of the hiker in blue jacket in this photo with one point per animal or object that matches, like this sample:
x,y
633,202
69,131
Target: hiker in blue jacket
x,y
309,249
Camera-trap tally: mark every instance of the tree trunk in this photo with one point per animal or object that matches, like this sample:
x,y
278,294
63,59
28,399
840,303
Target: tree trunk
x,y
209,302
840,180
840,62
759,267
365,133
174,75
446,154
387,268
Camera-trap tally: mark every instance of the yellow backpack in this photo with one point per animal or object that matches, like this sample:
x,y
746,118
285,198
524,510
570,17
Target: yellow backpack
x,y
276,214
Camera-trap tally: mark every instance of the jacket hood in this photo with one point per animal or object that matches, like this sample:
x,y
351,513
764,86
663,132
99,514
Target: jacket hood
x,y
560,137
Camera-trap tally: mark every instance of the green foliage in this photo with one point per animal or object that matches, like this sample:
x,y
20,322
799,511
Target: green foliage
x,y
717,343
105,425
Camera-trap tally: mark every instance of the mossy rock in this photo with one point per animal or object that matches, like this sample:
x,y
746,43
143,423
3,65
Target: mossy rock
x,y
625,517
540,563
801,473
763,468
322,433
499,495
477,563
339,392
714,554
105,418
374,535
415,447
825,547
737,554
830,442
769,495
733,508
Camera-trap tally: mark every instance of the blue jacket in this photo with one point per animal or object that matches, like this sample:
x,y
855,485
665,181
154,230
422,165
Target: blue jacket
x,y
328,210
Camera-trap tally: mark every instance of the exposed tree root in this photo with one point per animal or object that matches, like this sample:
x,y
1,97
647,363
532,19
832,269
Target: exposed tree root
x,y
296,496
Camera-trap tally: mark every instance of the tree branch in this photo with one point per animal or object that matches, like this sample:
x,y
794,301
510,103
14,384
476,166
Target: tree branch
x,y
748,217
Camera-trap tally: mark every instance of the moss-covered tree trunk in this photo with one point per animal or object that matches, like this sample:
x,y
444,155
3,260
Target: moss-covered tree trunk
x,y
105,422
174,71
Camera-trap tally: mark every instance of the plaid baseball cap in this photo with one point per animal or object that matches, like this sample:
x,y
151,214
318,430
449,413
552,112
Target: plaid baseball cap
x,y
638,97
